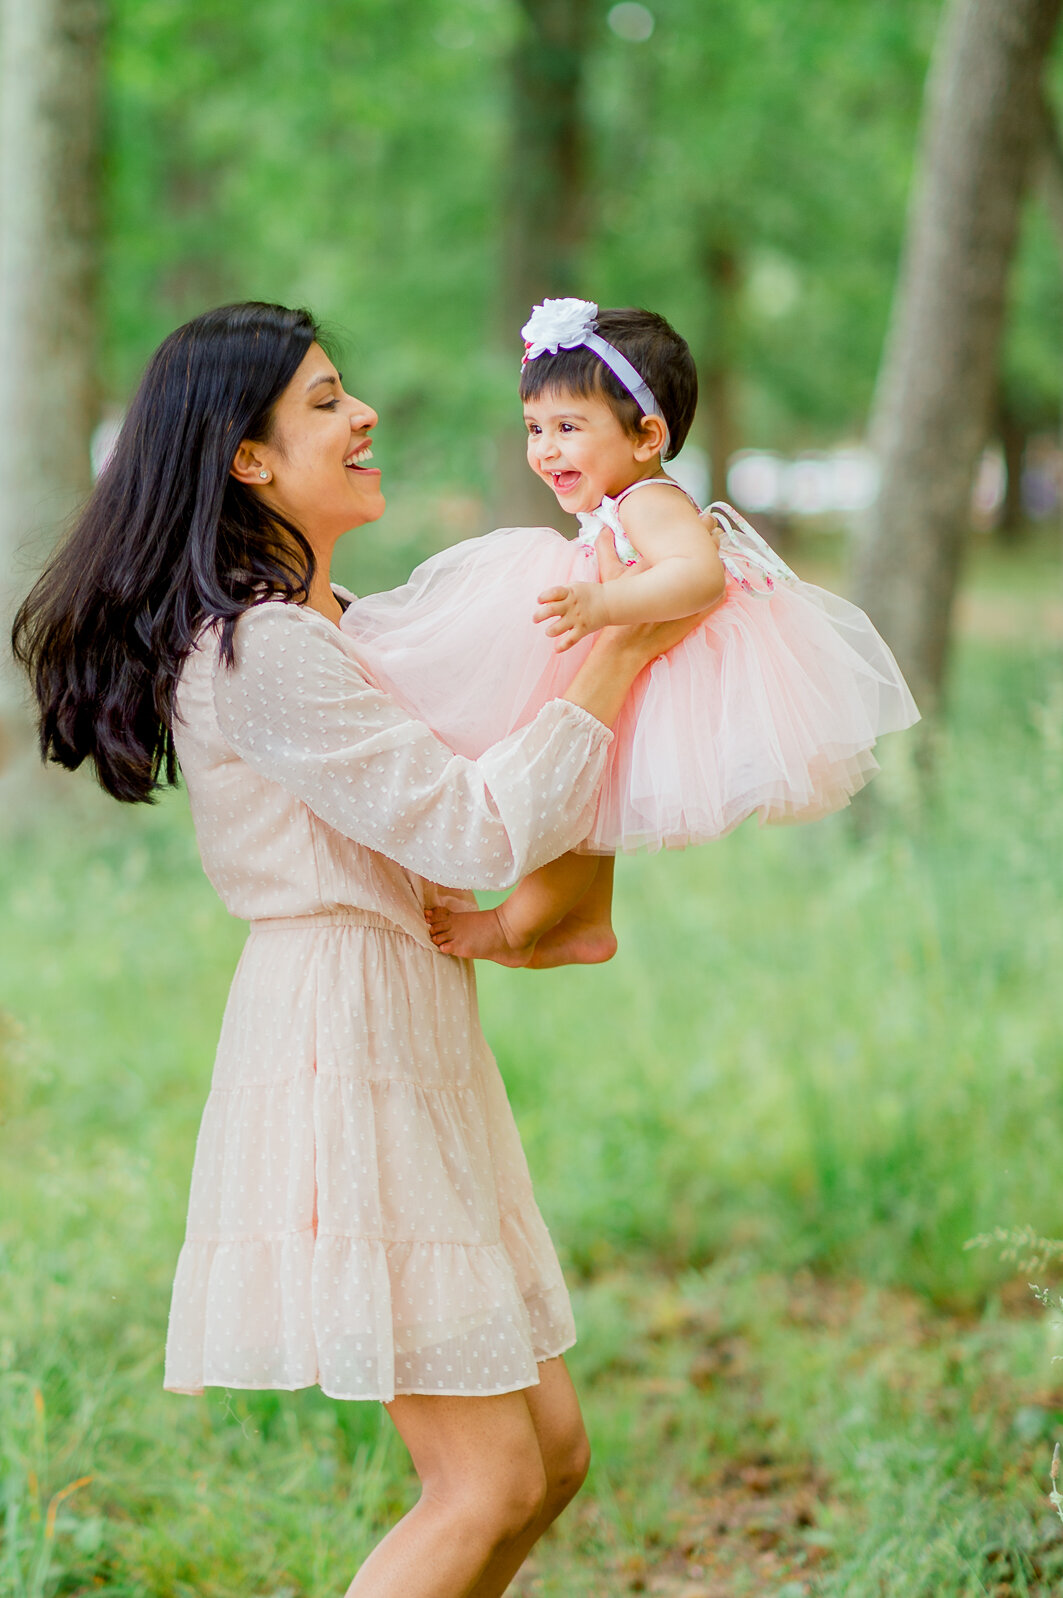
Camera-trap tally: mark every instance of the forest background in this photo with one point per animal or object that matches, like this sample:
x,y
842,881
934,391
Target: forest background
x,y
824,1060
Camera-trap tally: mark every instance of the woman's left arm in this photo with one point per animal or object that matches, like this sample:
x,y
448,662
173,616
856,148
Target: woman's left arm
x,y
297,709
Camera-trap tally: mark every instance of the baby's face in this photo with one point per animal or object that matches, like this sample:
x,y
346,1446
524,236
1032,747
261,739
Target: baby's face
x,y
579,449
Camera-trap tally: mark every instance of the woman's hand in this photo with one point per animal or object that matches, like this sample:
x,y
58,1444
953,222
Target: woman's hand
x,y
645,640
713,525
621,653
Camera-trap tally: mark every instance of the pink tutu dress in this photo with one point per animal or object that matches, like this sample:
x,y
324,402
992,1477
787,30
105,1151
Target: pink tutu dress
x,y
770,707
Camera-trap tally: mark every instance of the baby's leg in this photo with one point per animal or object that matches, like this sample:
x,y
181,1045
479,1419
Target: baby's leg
x,y
510,933
585,936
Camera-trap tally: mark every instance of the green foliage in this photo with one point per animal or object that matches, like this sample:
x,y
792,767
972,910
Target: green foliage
x,y
356,156
787,137
338,155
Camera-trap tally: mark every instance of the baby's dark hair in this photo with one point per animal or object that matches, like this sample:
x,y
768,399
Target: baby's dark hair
x,y
656,351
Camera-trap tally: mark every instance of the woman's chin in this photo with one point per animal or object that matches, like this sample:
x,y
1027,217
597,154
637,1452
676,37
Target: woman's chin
x,y
369,509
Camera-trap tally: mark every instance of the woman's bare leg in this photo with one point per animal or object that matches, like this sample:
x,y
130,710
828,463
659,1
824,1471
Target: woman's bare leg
x,y
494,1473
510,933
482,1486
566,1455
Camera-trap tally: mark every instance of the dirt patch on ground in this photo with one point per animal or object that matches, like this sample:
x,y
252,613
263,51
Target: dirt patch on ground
x,y
754,1531
754,1524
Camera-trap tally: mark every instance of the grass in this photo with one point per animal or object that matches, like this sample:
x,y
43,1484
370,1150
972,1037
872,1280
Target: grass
x,y
824,1059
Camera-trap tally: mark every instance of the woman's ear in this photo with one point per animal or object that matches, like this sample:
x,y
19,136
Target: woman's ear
x,y
248,466
653,434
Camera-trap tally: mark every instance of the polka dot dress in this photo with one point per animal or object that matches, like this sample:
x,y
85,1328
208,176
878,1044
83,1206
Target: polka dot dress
x,y
361,1214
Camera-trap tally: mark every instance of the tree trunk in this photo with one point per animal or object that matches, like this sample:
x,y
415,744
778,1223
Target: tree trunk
x,y
1050,186
1011,518
50,61
546,208
721,275
933,405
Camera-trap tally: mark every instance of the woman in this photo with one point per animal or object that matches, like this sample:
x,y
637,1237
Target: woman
x,y
361,1214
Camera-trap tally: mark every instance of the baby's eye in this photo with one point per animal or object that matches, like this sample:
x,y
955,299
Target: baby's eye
x,y
534,428
567,427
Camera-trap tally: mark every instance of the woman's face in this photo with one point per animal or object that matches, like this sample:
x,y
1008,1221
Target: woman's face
x,y
317,458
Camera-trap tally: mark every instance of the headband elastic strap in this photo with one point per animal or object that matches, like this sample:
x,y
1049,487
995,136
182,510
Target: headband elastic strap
x,y
636,385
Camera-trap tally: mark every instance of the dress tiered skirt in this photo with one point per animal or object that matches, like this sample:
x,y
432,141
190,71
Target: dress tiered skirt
x,y
361,1214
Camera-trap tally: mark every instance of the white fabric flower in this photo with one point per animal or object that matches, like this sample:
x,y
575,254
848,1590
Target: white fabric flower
x,y
558,325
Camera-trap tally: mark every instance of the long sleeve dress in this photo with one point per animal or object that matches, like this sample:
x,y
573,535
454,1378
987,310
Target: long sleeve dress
x,y
361,1214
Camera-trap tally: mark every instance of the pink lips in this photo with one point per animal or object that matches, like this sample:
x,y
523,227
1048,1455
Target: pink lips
x,y
354,466
565,482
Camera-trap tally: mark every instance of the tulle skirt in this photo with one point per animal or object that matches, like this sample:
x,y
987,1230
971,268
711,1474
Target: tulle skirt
x,y
770,707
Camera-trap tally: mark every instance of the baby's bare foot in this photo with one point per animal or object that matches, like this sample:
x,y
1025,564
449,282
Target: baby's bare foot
x,y
574,942
477,935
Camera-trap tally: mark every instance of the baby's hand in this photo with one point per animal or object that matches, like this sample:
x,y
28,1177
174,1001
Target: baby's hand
x,y
572,612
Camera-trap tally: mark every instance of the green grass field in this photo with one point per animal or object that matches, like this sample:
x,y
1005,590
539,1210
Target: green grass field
x,y
824,1059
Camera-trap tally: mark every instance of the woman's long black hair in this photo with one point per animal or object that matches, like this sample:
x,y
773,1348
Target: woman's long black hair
x,y
169,540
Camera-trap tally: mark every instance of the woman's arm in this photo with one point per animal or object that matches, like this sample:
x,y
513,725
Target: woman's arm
x,y
681,573
297,709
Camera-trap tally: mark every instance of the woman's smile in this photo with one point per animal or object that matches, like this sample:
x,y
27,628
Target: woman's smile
x,y
320,431
359,456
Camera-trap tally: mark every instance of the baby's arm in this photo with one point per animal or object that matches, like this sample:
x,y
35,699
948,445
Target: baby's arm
x,y
681,572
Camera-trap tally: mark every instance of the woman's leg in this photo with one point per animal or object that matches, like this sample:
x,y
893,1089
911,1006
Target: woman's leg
x,y
494,1473
482,1486
566,1454
543,899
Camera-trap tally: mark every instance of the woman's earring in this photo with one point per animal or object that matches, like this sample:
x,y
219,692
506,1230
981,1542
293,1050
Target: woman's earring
x,y
264,475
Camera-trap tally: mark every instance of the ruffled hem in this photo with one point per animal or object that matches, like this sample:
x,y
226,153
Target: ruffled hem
x,y
412,1392
367,1319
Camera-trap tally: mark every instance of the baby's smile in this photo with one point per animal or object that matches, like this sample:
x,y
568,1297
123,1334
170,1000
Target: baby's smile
x,y
565,482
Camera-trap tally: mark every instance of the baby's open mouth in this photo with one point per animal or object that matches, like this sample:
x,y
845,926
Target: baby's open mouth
x,y
565,482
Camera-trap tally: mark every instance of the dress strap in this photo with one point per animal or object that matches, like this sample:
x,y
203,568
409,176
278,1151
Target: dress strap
x,y
742,548
668,482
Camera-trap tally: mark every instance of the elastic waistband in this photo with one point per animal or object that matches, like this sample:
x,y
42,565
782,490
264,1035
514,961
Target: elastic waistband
x,y
350,917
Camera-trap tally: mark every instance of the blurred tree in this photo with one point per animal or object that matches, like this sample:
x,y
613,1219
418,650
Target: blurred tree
x,y
937,385
1032,363
722,280
741,165
346,155
1014,437
50,55
742,168
545,205
751,168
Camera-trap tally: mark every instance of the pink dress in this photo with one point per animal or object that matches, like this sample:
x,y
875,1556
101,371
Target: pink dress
x,y
771,707
361,1214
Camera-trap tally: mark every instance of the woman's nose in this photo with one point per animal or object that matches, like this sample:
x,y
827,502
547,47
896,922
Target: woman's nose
x,y
362,416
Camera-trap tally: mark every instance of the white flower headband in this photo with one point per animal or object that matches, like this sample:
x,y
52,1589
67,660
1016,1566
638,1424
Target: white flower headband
x,y
570,324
